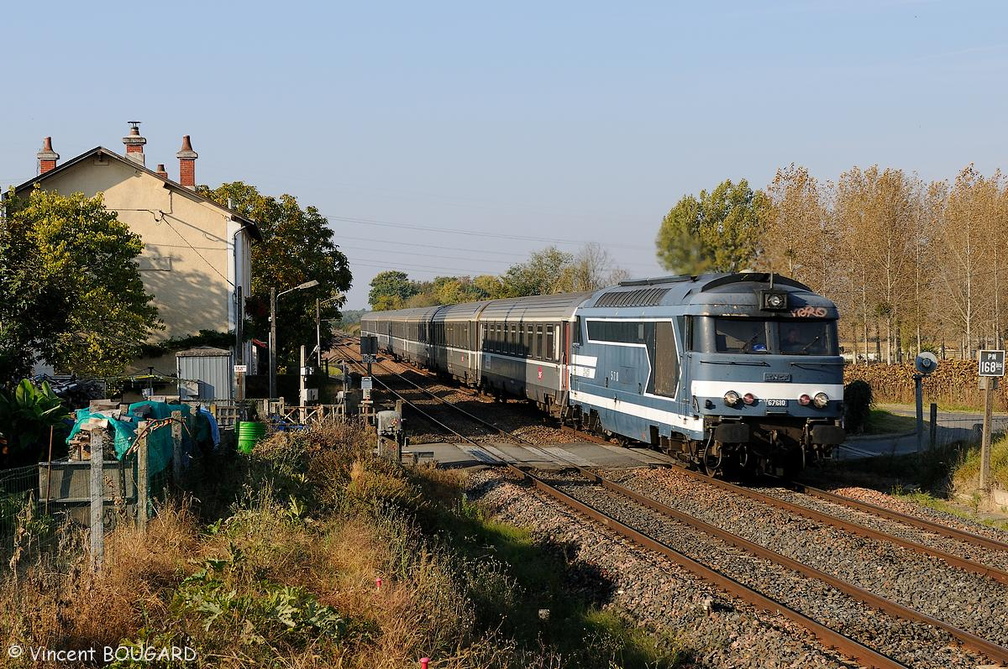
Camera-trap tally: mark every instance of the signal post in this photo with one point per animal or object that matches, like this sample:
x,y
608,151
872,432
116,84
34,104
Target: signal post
x,y
991,366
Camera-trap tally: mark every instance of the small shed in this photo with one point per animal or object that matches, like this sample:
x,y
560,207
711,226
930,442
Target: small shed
x,y
205,373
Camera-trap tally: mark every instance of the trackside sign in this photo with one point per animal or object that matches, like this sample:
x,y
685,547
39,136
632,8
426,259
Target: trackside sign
x,y
992,363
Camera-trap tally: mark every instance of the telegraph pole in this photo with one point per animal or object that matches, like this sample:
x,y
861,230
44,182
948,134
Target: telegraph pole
x,y
272,345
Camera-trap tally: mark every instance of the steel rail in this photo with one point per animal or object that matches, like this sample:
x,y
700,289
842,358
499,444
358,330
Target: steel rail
x,y
991,650
827,636
920,523
855,528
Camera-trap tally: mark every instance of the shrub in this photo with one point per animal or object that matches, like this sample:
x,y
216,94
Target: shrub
x,y
857,405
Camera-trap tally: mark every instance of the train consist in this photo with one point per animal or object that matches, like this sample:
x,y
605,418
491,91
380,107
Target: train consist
x,y
726,371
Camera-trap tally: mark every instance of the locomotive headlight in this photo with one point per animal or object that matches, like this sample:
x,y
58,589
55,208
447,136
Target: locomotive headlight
x,y
749,399
731,398
804,400
820,400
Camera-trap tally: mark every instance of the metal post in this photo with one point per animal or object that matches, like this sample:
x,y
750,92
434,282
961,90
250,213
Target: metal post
x,y
177,450
303,388
919,394
934,425
97,491
987,384
239,343
143,477
272,346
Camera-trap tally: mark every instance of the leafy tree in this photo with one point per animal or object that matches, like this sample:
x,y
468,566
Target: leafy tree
x,y
969,253
297,246
592,268
73,296
490,285
719,231
390,290
799,238
879,212
543,274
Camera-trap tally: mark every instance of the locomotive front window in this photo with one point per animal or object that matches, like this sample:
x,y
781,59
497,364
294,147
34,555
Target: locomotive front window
x,y
740,335
807,338
793,337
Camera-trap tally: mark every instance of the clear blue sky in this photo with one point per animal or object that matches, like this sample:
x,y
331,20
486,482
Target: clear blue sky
x,y
429,132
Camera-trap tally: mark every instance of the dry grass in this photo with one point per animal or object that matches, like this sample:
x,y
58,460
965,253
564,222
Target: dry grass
x,y
286,575
58,601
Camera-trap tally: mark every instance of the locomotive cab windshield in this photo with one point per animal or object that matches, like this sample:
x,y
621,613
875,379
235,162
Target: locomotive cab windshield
x,y
760,336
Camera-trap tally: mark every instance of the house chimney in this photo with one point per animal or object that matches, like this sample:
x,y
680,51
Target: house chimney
x,y
46,157
161,171
135,143
187,164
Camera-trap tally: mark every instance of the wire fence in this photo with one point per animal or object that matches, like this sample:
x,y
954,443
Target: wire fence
x,y
61,491
18,488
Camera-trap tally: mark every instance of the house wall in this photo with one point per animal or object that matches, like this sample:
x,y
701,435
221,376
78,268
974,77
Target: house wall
x,y
188,261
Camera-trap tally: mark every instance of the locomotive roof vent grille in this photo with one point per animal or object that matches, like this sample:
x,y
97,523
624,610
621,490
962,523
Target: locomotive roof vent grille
x,y
647,297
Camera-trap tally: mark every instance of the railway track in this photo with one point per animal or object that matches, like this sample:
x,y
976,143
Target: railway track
x,y
647,522
725,558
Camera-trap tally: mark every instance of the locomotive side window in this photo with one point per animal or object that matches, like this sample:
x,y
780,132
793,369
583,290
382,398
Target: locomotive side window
x,y
623,332
666,361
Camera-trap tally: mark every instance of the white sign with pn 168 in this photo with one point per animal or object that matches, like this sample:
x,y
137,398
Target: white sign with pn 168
x,y
992,363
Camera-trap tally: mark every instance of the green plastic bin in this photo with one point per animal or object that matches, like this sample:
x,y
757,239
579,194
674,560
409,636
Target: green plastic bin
x,y
249,434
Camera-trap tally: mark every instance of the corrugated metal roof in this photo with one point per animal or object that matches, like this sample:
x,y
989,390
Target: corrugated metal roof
x,y
646,297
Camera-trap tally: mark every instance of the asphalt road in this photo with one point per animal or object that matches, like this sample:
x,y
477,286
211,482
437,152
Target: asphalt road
x,y
951,426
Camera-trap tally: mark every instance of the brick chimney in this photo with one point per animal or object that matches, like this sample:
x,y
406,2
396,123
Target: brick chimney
x,y
187,163
135,143
161,171
46,156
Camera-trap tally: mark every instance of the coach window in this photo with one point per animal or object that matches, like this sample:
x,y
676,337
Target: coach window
x,y
549,342
539,342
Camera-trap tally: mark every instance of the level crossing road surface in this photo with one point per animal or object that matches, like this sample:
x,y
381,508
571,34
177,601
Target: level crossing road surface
x,y
584,454
952,426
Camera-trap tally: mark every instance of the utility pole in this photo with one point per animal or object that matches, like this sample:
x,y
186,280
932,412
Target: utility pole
x,y
272,345
318,331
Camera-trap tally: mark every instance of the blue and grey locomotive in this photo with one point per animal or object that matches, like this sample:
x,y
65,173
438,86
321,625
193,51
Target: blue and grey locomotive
x,y
723,370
